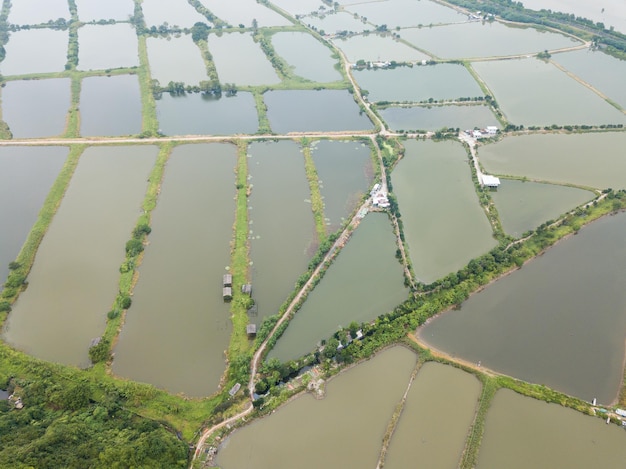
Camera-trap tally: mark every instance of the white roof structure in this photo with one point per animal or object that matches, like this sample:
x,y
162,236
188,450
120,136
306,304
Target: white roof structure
x,y
490,181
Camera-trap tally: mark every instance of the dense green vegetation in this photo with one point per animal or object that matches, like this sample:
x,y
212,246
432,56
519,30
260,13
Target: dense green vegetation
x,y
317,204
76,423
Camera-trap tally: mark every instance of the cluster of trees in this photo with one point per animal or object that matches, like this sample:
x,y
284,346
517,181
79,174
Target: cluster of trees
x,y
200,32
570,128
206,87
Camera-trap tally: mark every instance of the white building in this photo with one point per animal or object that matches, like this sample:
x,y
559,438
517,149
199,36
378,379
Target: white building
x,y
490,181
492,130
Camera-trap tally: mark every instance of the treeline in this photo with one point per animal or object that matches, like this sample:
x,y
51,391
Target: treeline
x,y
206,87
569,128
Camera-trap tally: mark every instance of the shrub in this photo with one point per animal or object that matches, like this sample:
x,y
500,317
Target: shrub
x,y
141,229
125,301
101,352
134,247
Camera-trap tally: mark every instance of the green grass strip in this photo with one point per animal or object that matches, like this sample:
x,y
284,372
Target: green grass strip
x,y
261,109
317,204
475,436
211,70
72,125
128,270
239,344
150,123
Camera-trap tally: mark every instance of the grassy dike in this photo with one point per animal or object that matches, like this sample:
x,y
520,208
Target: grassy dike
x,y
150,123
239,344
128,269
72,125
475,435
397,413
261,109
317,204
211,70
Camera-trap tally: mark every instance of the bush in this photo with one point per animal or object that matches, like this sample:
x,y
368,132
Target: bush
x,y
5,307
141,229
101,352
134,247
15,280
125,301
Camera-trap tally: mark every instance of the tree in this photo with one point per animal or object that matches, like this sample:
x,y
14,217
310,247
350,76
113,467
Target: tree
x,y
134,247
330,350
200,31
141,229
100,352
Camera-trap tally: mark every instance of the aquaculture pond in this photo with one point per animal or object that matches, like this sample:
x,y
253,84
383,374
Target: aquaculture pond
x,y
439,394
524,205
609,12
345,173
96,10
37,11
313,110
173,13
420,83
110,106
485,39
345,428
598,69
198,114
246,12
175,59
71,284
280,197
177,341
550,97
521,432
25,54
26,175
376,48
334,22
457,229
437,117
106,47
299,7
240,60
558,321
309,58
364,282
590,159
23,112
405,13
